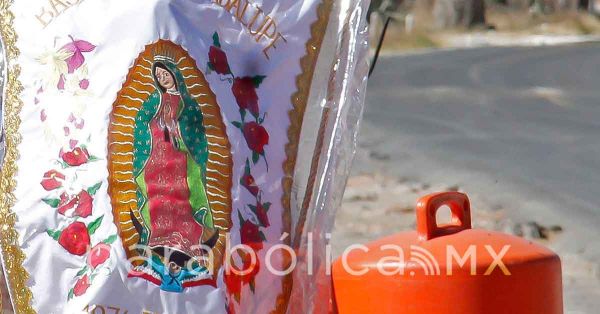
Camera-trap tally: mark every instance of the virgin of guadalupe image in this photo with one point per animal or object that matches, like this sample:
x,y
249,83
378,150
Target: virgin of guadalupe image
x,y
169,169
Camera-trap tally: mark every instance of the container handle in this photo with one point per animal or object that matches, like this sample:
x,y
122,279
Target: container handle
x,y
427,208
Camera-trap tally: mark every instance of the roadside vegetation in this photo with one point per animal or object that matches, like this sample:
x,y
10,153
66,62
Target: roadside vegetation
x,y
424,25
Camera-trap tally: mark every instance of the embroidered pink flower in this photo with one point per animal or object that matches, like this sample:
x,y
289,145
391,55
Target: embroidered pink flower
x,y
81,286
61,82
84,84
76,157
244,91
256,137
75,238
52,180
77,47
78,123
98,255
218,60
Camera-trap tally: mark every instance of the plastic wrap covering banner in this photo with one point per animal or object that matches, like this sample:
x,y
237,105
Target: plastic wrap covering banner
x,y
175,156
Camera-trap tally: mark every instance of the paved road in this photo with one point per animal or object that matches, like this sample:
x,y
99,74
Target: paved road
x,y
520,127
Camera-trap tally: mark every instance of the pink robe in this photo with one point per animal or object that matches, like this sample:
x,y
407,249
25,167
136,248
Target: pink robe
x,y
171,216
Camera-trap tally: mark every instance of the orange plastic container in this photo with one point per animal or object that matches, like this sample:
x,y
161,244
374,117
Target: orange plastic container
x,y
448,269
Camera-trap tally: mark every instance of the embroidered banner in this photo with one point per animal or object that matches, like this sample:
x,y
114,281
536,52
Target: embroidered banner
x,y
145,139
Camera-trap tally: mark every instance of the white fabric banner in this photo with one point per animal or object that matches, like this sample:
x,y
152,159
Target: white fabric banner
x,y
152,133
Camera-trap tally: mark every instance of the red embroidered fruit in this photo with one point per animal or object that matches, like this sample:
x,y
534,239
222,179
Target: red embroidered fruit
x,y
52,180
76,157
75,238
251,235
98,255
244,91
261,214
256,136
218,59
81,286
249,183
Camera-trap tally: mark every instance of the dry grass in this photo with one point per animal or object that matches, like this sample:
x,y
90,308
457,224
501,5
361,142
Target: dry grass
x,y
398,39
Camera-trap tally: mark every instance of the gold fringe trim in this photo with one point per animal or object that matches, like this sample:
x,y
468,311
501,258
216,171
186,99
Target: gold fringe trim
x,y
299,101
13,255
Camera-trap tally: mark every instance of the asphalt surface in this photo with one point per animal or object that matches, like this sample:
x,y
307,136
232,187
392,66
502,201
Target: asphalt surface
x,y
518,126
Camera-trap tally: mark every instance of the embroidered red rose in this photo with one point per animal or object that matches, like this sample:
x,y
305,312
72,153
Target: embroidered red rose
x,y
98,255
235,277
82,203
81,286
250,270
256,136
218,59
84,207
66,203
251,236
75,238
233,281
52,180
261,214
76,157
244,91
230,307
248,182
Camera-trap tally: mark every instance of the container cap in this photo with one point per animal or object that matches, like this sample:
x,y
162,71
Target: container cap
x,y
448,269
